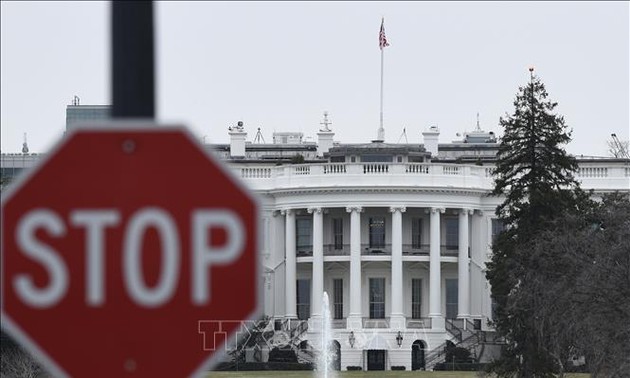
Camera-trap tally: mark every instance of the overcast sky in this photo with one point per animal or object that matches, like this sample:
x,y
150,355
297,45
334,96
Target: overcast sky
x,y
279,65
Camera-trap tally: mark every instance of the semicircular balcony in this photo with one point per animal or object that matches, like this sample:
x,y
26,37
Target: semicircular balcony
x,y
425,175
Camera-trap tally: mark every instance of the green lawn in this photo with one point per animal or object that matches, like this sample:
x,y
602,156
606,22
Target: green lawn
x,y
363,374
344,374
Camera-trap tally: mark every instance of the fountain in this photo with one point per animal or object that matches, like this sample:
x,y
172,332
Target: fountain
x,y
326,354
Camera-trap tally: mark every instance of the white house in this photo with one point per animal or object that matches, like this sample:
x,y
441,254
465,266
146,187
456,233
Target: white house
x,y
398,235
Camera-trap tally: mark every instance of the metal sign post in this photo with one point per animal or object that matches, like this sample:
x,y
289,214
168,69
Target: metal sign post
x,y
133,68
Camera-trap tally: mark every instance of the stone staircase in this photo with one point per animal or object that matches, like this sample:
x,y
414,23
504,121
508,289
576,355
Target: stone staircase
x,y
465,334
306,356
435,356
259,332
264,334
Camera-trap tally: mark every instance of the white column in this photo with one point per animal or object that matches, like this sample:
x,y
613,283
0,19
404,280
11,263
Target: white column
x,y
318,262
435,280
478,282
354,316
397,318
290,276
463,278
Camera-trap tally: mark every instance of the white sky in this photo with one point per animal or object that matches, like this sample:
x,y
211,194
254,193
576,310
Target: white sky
x,y
279,65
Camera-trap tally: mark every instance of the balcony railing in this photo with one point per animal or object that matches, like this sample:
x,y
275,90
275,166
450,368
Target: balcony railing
x,y
376,250
593,176
362,174
385,250
375,323
449,250
360,168
255,172
592,172
370,323
419,323
416,250
334,250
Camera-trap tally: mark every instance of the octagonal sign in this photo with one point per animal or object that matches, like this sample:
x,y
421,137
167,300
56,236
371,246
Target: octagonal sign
x,y
128,252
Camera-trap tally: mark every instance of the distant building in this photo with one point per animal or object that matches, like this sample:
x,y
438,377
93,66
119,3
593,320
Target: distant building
x,y
77,114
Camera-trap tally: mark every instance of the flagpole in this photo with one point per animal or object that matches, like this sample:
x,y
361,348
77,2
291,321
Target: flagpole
x,y
382,44
381,130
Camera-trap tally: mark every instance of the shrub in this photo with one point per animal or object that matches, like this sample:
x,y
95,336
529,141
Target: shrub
x,y
354,368
448,366
398,368
263,366
282,355
458,355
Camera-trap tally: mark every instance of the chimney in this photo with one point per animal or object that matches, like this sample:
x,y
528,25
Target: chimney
x,y
237,140
324,137
431,137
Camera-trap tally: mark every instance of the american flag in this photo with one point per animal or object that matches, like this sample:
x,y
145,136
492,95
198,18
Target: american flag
x,y
382,40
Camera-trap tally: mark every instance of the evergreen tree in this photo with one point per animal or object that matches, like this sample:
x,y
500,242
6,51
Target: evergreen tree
x,y
535,175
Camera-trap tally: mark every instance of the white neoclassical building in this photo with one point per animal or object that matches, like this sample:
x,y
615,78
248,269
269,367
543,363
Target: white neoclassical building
x,y
398,235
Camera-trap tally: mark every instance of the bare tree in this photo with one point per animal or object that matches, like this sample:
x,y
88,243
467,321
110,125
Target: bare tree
x,y
618,148
579,294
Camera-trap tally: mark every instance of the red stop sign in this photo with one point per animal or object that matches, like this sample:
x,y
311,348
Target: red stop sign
x,y
128,252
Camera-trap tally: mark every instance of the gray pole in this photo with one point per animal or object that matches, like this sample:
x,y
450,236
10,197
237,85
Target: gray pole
x,y
133,88
381,130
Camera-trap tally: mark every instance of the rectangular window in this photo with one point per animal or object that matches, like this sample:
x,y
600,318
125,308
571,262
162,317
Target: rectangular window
x,y
338,298
377,232
451,298
303,234
377,298
416,298
338,233
303,299
416,233
452,233
497,228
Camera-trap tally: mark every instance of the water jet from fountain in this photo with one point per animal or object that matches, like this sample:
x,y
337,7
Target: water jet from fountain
x,y
326,353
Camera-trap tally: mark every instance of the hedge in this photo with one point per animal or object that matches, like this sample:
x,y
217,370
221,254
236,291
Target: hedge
x,y
282,355
462,366
253,366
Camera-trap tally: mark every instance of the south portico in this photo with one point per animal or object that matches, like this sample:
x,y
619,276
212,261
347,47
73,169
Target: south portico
x,y
366,258
400,267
